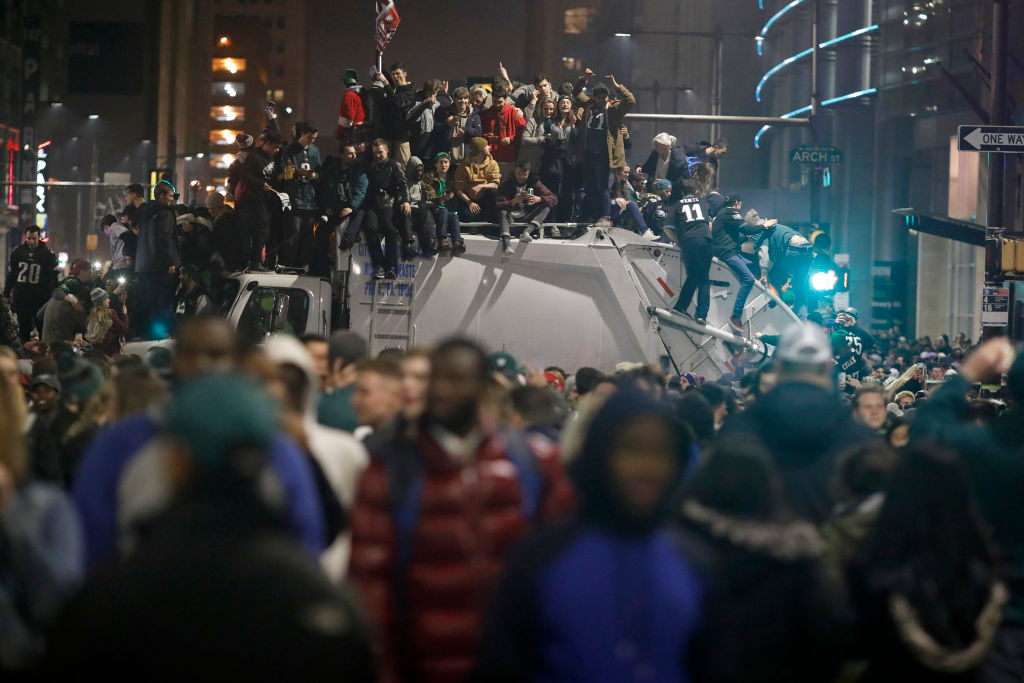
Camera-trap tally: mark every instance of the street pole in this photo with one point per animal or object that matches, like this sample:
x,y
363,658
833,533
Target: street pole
x,y
94,172
996,161
815,114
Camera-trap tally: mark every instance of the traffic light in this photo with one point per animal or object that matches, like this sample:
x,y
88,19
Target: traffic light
x,y
824,280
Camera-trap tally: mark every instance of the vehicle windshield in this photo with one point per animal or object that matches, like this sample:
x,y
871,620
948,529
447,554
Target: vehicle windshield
x,y
223,294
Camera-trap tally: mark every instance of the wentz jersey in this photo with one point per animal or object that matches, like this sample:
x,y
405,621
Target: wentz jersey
x,y
692,218
33,274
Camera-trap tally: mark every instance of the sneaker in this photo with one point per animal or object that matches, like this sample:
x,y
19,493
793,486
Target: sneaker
x,y
525,237
390,275
506,242
649,235
408,251
458,248
555,233
736,324
508,251
345,244
444,245
378,273
701,321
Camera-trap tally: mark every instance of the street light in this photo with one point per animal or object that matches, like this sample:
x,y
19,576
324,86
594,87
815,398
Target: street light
x,y
93,117
623,35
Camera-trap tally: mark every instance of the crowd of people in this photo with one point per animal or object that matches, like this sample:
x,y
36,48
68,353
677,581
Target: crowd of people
x,y
301,510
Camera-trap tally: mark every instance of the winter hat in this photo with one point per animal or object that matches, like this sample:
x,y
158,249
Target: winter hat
x,y
271,135
554,381
663,184
665,139
478,145
78,266
216,415
79,378
244,141
350,77
98,295
46,380
840,340
442,155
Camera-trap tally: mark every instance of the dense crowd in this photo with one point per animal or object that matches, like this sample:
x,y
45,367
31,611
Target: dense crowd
x,y
299,510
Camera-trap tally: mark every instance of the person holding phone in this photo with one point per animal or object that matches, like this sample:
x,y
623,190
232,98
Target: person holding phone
x,y
522,198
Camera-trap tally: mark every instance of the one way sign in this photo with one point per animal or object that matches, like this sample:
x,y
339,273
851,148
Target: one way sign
x,y
992,139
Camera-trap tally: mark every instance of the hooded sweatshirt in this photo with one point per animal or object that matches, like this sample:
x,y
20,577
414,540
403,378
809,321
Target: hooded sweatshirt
x,y
612,593
341,457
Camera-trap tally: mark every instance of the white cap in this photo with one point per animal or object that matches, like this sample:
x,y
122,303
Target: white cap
x,y
804,344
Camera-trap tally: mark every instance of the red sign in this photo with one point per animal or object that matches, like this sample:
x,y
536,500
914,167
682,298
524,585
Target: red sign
x,y
387,23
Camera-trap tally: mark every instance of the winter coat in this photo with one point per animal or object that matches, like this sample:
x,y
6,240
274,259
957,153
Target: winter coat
x,y
118,446
677,167
31,275
531,144
301,191
444,133
468,175
616,112
341,188
351,115
434,187
196,246
426,570
62,321
774,611
606,595
399,101
217,564
227,240
106,335
995,464
508,122
386,183
805,428
776,239
254,172
158,246
729,231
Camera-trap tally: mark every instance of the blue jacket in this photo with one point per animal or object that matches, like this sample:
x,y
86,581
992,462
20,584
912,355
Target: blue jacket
x,y
96,484
607,597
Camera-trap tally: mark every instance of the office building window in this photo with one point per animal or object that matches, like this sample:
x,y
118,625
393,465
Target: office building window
x,y
578,19
232,65
227,112
228,89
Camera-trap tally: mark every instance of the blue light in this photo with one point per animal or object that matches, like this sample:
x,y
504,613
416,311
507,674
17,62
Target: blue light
x,y
800,55
764,31
825,103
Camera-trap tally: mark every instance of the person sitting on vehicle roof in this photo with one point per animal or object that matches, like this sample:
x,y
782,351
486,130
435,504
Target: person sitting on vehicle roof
x,y
524,199
476,183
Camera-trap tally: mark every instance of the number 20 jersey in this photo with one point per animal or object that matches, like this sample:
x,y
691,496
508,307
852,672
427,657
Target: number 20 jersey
x,y
32,274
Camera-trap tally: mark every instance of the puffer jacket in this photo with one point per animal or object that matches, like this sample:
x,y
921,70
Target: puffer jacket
x,y
427,583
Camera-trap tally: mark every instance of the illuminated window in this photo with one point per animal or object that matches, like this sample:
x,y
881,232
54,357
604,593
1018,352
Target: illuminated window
x,y
223,136
221,160
227,112
228,89
232,65
572,64
279,95
578,20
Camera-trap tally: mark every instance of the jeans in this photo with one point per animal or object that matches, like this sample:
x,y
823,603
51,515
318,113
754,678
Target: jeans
x,y
352,223
795,266
448,224
631,210
697,259
738,266
534,215
254,225
377,225
598,182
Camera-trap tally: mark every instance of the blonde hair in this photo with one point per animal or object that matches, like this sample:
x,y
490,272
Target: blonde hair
x,y
13,411
703,174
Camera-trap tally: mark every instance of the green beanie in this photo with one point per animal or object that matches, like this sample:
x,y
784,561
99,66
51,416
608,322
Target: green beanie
x,y
217,414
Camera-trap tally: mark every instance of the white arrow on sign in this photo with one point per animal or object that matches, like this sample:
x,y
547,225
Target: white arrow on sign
x,y
974,138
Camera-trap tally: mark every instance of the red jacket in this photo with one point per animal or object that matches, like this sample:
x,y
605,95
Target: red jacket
x,y
507,123
468,517
350,113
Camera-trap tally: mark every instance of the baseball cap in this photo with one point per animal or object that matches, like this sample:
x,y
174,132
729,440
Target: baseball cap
x,y
663,184
503,362
804,344
852,312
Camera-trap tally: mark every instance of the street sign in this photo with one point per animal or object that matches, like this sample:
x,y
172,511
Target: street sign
x,y
810,154
1008,139
995,306
92,242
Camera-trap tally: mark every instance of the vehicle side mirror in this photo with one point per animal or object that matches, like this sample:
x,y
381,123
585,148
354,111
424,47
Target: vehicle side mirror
x,y
279,320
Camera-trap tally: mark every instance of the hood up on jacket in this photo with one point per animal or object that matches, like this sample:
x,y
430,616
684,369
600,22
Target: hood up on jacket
x,y
283,349
591,473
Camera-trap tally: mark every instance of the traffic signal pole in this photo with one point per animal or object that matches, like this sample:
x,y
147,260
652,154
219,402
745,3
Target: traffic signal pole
x,y
997,161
